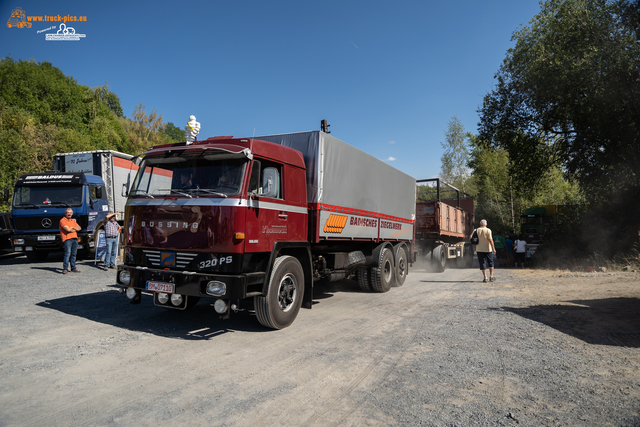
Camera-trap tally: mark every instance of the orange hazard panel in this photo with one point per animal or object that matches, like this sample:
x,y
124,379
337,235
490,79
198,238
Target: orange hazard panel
x,y
335,223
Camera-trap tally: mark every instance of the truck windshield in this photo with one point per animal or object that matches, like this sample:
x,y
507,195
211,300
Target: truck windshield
x,y
29,197
193,175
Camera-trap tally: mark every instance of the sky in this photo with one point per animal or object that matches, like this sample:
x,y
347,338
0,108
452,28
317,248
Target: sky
x,y
387,75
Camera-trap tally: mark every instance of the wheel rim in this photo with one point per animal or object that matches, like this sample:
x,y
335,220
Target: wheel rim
x,y
401,267
287,292
387,271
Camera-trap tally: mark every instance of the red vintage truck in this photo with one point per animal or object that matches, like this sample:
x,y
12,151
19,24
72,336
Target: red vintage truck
x,y
230,219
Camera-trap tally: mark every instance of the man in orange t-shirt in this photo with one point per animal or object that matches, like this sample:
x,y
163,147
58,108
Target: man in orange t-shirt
x,y
68,233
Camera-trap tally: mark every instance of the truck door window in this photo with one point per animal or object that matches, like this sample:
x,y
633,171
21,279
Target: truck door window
x,y
266,180
93,192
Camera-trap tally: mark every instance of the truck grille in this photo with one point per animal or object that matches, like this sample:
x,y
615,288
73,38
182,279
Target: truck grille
x,y
169,258
39,222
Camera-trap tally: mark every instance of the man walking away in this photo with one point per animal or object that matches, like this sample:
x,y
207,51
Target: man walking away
x,y
485,250
69,234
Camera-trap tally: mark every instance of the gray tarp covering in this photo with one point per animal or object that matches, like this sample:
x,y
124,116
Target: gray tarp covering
x,y
341,175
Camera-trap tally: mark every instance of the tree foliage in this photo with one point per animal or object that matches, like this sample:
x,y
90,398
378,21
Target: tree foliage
x,y
568,94
44,112
455,159
567,100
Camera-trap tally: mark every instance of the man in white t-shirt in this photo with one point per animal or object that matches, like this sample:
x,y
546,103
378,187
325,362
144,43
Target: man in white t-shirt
x,y
485,250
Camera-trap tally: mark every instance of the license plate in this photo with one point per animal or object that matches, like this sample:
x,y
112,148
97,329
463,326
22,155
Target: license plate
x,y
41,238
160,287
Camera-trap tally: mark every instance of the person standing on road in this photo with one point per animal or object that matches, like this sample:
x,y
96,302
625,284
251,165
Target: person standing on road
x,y
508,243
485,250
499,241
111,230
520,248
69,234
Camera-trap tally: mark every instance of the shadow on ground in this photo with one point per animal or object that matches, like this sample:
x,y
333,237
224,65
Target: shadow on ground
x,y
609,321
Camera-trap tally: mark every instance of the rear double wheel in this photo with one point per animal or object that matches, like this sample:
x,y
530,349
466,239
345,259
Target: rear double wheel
x,y
439,258
383,276
279,308
402,266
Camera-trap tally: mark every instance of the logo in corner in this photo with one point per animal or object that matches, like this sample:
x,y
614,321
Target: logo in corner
x,y
335,223
18,19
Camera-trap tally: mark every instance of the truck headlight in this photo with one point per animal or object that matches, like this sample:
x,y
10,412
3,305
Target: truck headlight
x,y
220,306
176,299
163,298
18,241
216,288
124,277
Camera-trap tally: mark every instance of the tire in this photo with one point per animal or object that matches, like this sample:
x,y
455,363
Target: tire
x,y
363,279
37,256
439,259
279,308
383,276
402,266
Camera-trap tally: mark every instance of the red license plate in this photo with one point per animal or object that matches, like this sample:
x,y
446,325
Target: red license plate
x,y
160,287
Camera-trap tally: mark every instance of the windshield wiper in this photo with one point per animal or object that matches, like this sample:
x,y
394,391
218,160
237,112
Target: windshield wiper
x,y
143,193
205,190
28,206
61,203
182,193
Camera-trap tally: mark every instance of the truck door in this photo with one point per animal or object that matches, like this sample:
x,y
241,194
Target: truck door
x,y
267,216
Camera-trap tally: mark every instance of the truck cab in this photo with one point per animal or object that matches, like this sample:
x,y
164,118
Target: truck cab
x,y
39,202
204,220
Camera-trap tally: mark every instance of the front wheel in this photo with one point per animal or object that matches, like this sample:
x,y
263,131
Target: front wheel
x,y
279,308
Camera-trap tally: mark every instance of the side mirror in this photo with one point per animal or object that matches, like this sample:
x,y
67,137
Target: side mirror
x,y
6,194
270,182
100,192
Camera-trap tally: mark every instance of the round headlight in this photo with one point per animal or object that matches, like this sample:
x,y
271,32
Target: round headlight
x,y
163,298
124,277
220,306
176,299
216,288
131,293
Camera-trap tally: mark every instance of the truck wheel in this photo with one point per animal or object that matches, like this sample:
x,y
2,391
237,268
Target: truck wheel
x,y
383,274
37,256
279,308
439,259
363,279
402,267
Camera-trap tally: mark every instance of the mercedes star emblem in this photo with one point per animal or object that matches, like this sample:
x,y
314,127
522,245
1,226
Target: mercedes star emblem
x,y
46,223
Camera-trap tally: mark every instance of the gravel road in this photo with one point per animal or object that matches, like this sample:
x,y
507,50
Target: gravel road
x,y
534,348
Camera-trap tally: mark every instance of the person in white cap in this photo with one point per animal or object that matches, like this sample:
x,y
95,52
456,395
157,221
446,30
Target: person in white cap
x,y
111,230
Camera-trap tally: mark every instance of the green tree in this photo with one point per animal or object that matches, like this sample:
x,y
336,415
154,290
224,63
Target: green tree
x,y
174,133
455,159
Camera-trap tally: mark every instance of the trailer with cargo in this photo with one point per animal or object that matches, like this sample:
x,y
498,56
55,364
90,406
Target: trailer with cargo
x,y
92,183
444,222
262,219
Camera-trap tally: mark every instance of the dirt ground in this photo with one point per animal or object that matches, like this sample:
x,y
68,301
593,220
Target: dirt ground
x,y
535,347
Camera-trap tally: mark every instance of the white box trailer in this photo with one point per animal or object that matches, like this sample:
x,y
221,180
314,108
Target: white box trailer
x,y
116,169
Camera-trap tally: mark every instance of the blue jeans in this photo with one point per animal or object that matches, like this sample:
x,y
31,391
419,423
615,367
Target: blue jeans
x,y
70,252
112,252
